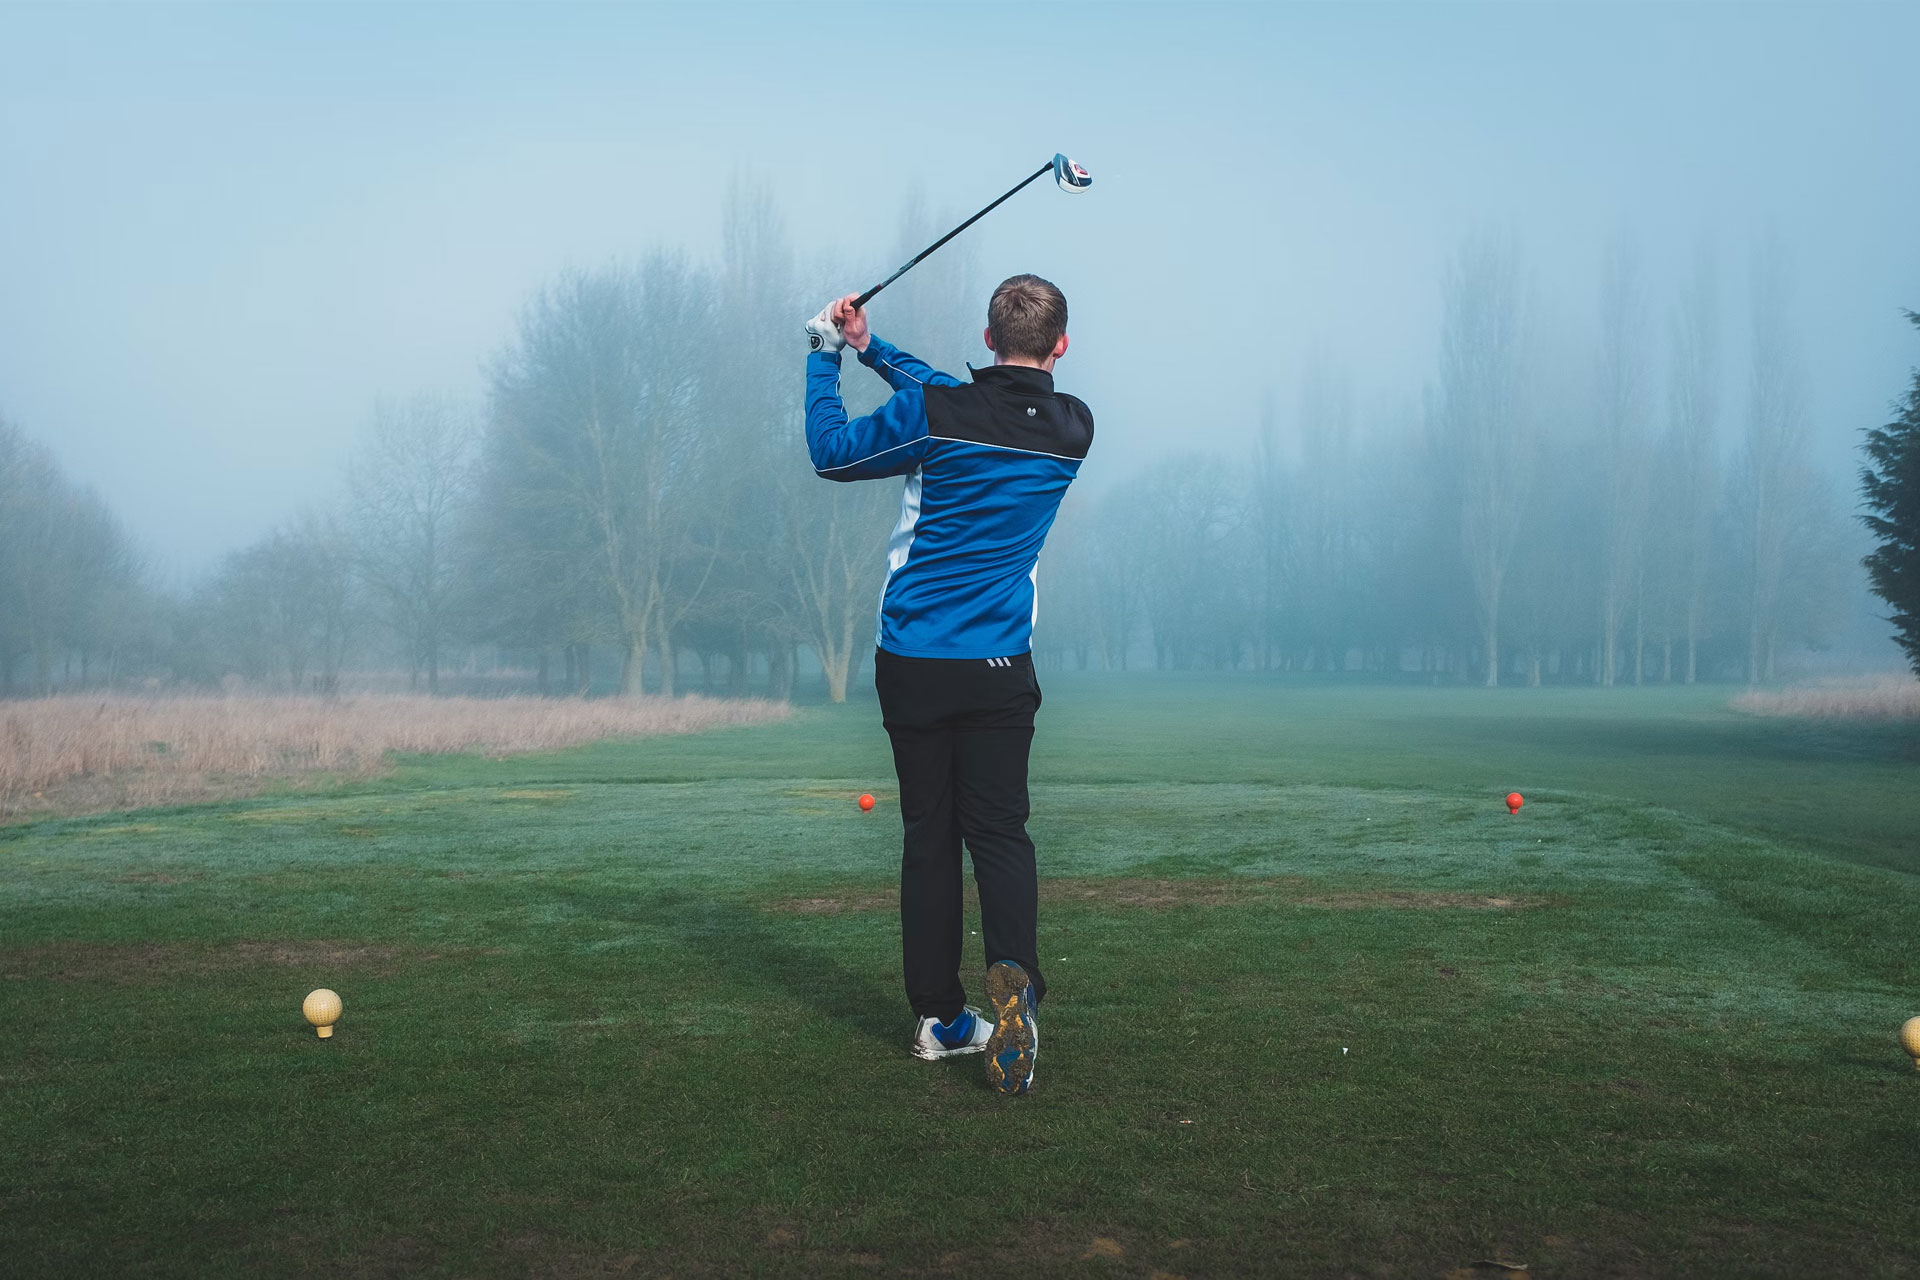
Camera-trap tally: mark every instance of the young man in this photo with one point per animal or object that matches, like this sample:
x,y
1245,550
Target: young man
x,y
986,464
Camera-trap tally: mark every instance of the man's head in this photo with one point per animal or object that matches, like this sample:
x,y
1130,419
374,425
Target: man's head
x,y
1027,322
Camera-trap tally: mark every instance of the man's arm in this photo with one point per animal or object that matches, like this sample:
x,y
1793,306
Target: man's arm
x,y
890,441
900,369
890,362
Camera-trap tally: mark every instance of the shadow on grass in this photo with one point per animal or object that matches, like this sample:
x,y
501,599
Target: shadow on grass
x,y
749,950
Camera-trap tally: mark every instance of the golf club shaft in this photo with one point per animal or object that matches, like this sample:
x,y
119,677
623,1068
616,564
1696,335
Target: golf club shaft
x,y
864,298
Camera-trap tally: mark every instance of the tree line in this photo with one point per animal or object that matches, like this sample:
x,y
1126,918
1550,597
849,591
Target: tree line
x,y
1547,514
633,496
631,507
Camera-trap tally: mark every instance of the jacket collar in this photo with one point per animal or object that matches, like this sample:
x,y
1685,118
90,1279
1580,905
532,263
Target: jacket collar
x,y
1020,378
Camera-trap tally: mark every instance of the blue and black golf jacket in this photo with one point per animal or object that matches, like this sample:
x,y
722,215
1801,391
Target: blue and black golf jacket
x,y
986,463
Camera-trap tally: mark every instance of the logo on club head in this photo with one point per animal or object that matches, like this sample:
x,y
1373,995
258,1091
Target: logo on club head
x,y
1069,175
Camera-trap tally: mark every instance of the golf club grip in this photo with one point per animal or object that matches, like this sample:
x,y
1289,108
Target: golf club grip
x,y
914,261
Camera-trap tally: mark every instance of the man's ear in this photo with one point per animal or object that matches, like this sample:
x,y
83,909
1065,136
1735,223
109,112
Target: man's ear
x,y
986,336
1060,347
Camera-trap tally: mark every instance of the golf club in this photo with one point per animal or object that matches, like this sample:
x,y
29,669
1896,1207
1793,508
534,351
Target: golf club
x,y
1070,176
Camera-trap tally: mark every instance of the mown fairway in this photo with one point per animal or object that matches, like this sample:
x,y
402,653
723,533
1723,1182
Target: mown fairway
x,y
1320,1006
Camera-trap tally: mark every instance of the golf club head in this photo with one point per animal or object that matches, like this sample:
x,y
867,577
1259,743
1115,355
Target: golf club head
x,y
1070,176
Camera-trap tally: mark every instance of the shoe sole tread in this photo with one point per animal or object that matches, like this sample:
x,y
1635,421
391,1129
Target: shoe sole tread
x,y
1010,1050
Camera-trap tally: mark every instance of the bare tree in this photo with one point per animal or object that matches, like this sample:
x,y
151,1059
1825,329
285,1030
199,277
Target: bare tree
x,y
285,605
1690,451
1773,464
836,533
1190,512
1268,514
16,637
1556,569
1620,457
1484,418
601,404
1324,545
408,485
1121,565
1070,625
837,537
35,547
68,570
527,576
752,602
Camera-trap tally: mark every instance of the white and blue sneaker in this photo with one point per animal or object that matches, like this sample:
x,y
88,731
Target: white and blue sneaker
x,y
1015,1041
967,1033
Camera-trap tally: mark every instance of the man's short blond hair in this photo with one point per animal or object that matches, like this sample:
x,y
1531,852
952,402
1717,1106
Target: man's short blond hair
x,y
1026,317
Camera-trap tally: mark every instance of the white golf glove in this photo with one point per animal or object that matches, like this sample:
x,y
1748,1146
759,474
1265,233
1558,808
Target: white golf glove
x,y
823,334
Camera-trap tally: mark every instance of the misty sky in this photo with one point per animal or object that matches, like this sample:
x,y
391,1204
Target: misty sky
x,y
225,230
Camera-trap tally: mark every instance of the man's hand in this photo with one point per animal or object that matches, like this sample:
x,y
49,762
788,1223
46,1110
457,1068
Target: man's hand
x,y
853,324
823,334
838,325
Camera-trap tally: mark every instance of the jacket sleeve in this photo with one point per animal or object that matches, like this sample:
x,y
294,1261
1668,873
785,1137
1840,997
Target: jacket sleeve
x,y
890,441
902,370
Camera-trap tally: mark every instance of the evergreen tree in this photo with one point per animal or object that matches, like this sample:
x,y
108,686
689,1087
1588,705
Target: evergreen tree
x,y
1891,487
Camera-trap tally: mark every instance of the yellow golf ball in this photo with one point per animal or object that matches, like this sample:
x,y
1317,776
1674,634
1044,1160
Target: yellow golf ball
x,y
322,1009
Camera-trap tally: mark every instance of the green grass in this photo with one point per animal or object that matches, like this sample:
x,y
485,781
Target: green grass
x,y
585,1032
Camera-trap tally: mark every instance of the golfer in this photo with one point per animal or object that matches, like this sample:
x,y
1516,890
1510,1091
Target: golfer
x,y
986,463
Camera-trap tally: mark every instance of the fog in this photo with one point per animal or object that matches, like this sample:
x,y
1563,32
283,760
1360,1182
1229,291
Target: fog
x,y
226,234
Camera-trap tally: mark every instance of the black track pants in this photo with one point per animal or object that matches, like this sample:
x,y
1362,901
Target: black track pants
x,y
961,730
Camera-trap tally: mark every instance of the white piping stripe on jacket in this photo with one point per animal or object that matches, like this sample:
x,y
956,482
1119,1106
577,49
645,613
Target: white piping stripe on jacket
x,y
1033,576
897,548
1038,453
1007,448
896,368
870,457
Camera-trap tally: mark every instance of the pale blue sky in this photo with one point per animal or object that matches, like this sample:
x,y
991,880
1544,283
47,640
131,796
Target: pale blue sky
x,y
224,230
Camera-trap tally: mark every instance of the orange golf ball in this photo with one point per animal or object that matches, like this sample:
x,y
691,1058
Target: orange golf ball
x,y
1514,801
866,803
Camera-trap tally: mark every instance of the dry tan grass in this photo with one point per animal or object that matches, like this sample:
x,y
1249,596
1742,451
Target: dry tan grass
x,y
68,755
1885,698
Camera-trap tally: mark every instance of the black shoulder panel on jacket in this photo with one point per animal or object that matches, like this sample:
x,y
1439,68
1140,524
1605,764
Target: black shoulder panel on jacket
x,y
1012,407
